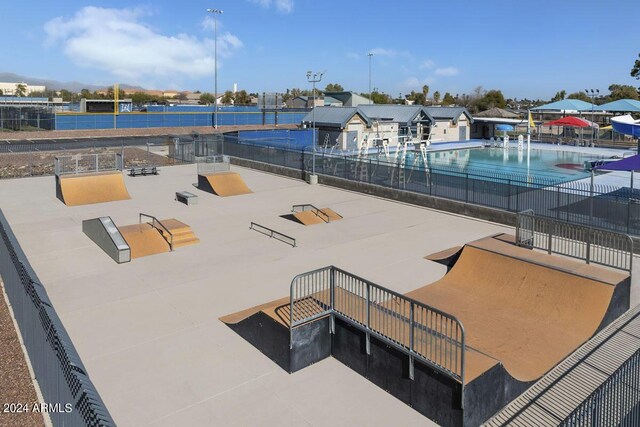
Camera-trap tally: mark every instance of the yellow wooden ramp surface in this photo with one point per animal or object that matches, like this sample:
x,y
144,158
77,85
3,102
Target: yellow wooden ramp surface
x,y
226,184
526,315
144,240
310,217
85,189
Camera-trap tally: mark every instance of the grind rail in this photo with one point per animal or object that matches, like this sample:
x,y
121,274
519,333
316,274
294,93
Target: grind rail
x,y
160,226
590,244
421,332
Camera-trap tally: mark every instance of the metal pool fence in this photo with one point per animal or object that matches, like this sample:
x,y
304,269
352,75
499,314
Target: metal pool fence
x,y
419,331
57,366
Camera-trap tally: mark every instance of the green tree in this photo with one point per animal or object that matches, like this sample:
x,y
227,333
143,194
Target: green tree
x,y
66,95
182,96
425,92
418,98
448,99
110,93
242,98
622,92
635,71
21,89
227,98
491,99
436,97
207,98
85,93
559,96
579,95
1,93
334,87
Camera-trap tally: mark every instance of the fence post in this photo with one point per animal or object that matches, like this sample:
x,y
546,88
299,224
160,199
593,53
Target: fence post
x,y
466,187
509,194
552,227
588,254
332,297
411,338
368,336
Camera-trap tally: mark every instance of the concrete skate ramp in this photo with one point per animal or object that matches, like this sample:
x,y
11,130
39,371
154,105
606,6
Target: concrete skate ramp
x,y
310,217
526,309
223,184
85,189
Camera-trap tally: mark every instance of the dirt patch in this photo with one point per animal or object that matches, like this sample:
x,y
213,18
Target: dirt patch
x,y
18,165
16,385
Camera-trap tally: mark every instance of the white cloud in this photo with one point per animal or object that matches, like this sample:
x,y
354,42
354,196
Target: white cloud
x,y
414,83
447,71
427,64
379,51
119,41
282,6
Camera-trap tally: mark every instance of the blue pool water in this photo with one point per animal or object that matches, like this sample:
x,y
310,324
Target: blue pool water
x,y
556,165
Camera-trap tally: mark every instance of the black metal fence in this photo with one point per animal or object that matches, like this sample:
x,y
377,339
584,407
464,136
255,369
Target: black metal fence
x,y
59,371
615,403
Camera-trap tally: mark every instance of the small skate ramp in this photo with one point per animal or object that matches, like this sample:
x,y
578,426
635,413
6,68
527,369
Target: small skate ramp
x,y
308,214
85,189
157,236
223,184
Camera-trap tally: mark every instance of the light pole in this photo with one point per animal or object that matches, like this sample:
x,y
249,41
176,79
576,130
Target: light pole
x,y
215,12
313,78
370,54
592,94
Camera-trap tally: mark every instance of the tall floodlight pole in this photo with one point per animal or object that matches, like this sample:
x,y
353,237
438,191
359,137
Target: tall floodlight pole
x,y
592,94
370,54
314,78
215,12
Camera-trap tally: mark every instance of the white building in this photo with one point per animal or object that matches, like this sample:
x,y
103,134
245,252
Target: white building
x,y
10,89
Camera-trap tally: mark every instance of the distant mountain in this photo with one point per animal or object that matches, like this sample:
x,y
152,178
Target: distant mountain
x,y
56,85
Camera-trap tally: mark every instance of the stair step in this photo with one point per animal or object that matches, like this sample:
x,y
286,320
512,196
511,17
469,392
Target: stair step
x,y
182,243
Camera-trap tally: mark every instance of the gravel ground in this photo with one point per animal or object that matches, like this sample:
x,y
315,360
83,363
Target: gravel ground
x,y
20,165
131,132
16,385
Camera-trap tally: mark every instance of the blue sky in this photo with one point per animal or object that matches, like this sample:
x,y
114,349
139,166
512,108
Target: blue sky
x,y
526,49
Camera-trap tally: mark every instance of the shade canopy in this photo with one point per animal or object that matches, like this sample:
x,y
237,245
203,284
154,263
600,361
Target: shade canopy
x,y
621,106
568,105
626,125
570,121
627,164
504,127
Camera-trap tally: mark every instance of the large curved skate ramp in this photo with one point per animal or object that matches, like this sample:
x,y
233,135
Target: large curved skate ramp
x,y
526,309
86,189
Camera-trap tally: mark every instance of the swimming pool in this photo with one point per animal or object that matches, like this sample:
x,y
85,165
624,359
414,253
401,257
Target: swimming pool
x,y
550,164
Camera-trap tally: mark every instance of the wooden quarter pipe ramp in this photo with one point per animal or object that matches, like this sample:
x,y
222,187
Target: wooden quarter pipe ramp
x,y
223,184
85,189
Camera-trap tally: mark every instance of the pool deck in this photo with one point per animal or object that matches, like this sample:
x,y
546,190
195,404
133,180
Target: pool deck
x,y
148,331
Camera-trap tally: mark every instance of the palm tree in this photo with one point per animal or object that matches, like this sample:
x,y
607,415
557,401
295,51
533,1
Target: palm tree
x,y
425,92
21,89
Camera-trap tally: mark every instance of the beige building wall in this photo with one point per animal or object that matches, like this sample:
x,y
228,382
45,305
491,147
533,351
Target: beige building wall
x,y
9,89
447,131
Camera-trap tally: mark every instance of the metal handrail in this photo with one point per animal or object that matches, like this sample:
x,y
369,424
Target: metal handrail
x,y
577,241
273,234
153,221
312,208
319,287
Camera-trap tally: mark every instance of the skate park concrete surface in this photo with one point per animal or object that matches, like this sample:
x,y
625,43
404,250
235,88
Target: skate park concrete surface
x,y
148,331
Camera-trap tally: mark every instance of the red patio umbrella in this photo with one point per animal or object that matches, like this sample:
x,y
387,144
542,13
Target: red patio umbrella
x,y
570,121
